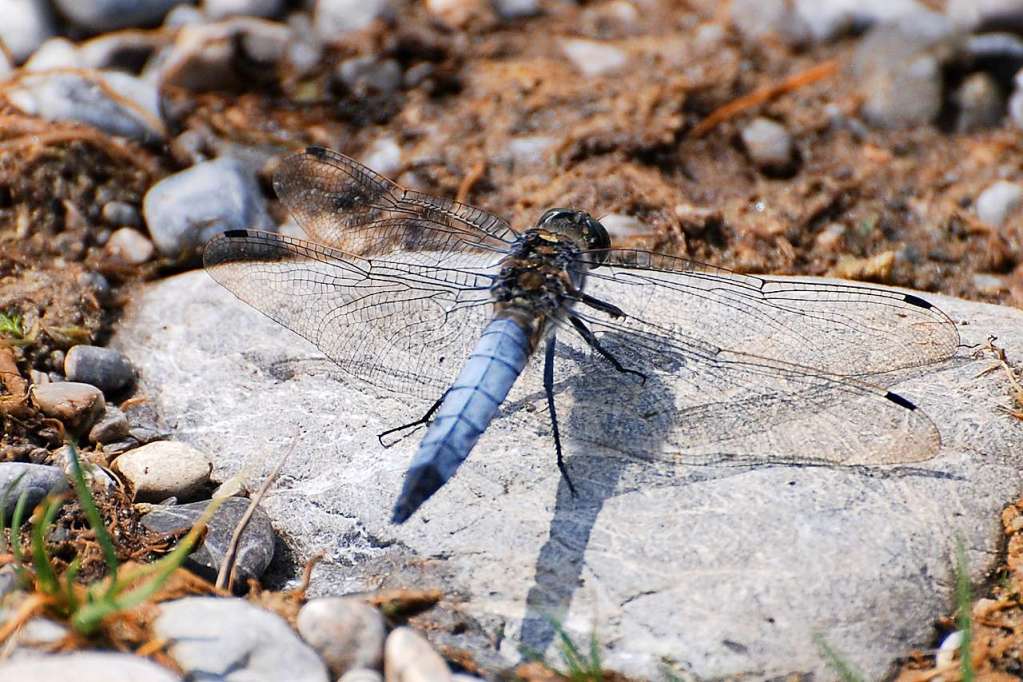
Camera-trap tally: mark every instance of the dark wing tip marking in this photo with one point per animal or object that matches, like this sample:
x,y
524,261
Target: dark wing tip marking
x,y
318,152
236,234
917,301
899,400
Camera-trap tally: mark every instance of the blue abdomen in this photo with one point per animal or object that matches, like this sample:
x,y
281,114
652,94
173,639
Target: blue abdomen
x,y
469,406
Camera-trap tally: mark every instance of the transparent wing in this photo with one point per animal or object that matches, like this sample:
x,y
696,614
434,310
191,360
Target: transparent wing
x,y
342,204
745,368
392,321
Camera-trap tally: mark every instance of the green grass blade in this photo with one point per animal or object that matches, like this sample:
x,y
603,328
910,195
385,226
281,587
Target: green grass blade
x,y
845,670
3,505
91,512
45,575
964,606
70,598
16,520
89,617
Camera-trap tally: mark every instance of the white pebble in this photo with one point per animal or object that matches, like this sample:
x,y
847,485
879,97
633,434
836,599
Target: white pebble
x,y
998,202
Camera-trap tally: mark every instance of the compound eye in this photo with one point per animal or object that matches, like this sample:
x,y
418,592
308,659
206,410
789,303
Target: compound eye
x,y
597,238
554,215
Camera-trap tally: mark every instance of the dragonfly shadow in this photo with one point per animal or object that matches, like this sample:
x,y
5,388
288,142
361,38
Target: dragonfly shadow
x,y
613,421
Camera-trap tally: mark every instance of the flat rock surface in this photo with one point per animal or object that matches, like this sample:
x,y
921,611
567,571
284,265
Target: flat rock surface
x,y
719,570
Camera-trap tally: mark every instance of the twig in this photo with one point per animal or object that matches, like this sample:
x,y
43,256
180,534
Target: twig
x,y
225,577
470,179
764,94
1001,360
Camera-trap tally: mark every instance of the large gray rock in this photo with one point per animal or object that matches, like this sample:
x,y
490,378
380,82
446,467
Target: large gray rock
x,y
107,15
720,569
86,666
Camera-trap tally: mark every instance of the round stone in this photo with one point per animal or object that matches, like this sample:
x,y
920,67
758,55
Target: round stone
x,y
164,469
104,368
77,405
346,632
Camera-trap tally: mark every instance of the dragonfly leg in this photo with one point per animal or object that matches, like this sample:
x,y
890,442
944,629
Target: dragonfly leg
x,y
590,338
548,387
602,306
425,419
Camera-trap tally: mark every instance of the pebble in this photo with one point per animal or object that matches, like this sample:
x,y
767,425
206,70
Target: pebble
x,y
769,144
55,53
164,469
988,15
104,368
369,75
801,22
899,66
257,542
184,210
121,214
384,156
980,103
987,283
346,632
830,238
230,639
132,111
620,225
184,15
26,25
408,657
121,50
205,57
362,675
8,580
516,9
220,9
38,480
593,58
33,638
1016,100
86,666
112,427
129,246
529,150
334,18
96,283
107,15
999,201
76,404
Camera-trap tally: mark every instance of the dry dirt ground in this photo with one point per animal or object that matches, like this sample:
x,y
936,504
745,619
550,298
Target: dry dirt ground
x,y
628,143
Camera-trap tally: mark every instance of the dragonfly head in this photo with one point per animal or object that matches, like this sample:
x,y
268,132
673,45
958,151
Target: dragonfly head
x,y
579,226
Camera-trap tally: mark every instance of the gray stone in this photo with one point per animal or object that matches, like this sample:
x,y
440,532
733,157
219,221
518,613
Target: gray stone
x,y
37,480
346,632
164,469
33,638
369,75
230,640
517,9
76,404
26,24
114,102
121,50
86,666
121,214
95,283
206,56
108,15
184,15
860,553
129,246
980,103
621,226
55,53
593,58
899,66
256,548
362,675
768,143
334,18
221,9
800,21
996,15
999,201
529,150
104,368
408,657
112,427
384,156
8,576
184,210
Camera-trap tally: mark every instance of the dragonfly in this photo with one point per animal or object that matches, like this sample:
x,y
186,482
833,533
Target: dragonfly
x,y
426,297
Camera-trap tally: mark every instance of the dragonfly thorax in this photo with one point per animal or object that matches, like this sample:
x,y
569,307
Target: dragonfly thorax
x,y
540,278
